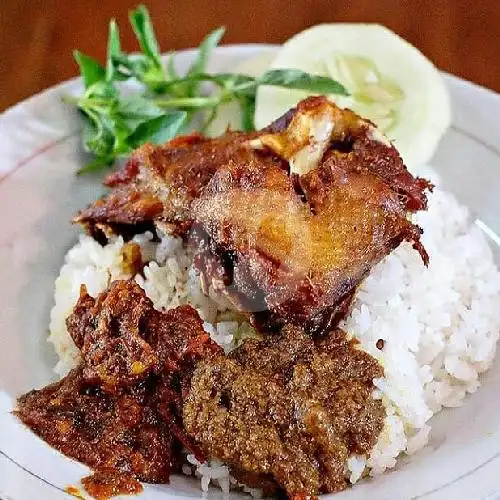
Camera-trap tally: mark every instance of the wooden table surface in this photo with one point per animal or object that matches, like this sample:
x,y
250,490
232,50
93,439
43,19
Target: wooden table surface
x,y
37,36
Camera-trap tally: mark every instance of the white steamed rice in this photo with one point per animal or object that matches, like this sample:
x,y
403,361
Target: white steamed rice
x,y
439,325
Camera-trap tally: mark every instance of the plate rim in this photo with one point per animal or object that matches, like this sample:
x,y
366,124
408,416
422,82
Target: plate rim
x,y
451,79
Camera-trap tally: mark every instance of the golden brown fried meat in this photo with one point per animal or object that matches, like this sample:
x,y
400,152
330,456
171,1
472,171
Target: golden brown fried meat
x,y
287,221
120,410
294,248
287,410
305,133
158,183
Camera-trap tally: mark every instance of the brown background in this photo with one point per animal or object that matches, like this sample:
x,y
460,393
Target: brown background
x,y
37,36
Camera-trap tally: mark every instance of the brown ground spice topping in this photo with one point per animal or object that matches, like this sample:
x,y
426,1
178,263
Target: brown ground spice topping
x,y
287,410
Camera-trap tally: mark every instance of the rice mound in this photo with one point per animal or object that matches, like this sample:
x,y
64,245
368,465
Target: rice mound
x,y
439,325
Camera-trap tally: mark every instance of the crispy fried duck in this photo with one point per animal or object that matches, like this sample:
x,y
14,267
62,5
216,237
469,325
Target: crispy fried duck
x,y
286,221
158,184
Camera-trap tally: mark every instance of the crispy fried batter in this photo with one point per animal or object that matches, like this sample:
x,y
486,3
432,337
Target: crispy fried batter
x,y
287,409
306,132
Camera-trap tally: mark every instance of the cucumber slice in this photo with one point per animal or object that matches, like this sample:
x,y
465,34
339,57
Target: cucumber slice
x,y
390,82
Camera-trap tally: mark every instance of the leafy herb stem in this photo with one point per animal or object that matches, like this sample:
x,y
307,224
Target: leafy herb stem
x,y
187,102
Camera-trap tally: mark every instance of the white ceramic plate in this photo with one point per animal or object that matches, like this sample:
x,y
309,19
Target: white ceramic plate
x,y
40,152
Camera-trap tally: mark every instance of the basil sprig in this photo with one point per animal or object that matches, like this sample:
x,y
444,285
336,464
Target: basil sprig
x,y
166,103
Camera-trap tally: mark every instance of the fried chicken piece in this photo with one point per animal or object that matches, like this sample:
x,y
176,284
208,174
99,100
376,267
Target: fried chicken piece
x,y
158,184
286,221
304,134
287,410
294,248
120,410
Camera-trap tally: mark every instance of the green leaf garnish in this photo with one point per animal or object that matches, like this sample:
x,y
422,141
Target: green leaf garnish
x,y
114,51
298,80
95,165
171,71
200,63
167,104
90,69
159,129
143,29
247,105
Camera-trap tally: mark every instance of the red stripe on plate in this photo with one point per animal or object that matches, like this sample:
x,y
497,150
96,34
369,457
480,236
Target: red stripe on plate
x,y
43,149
